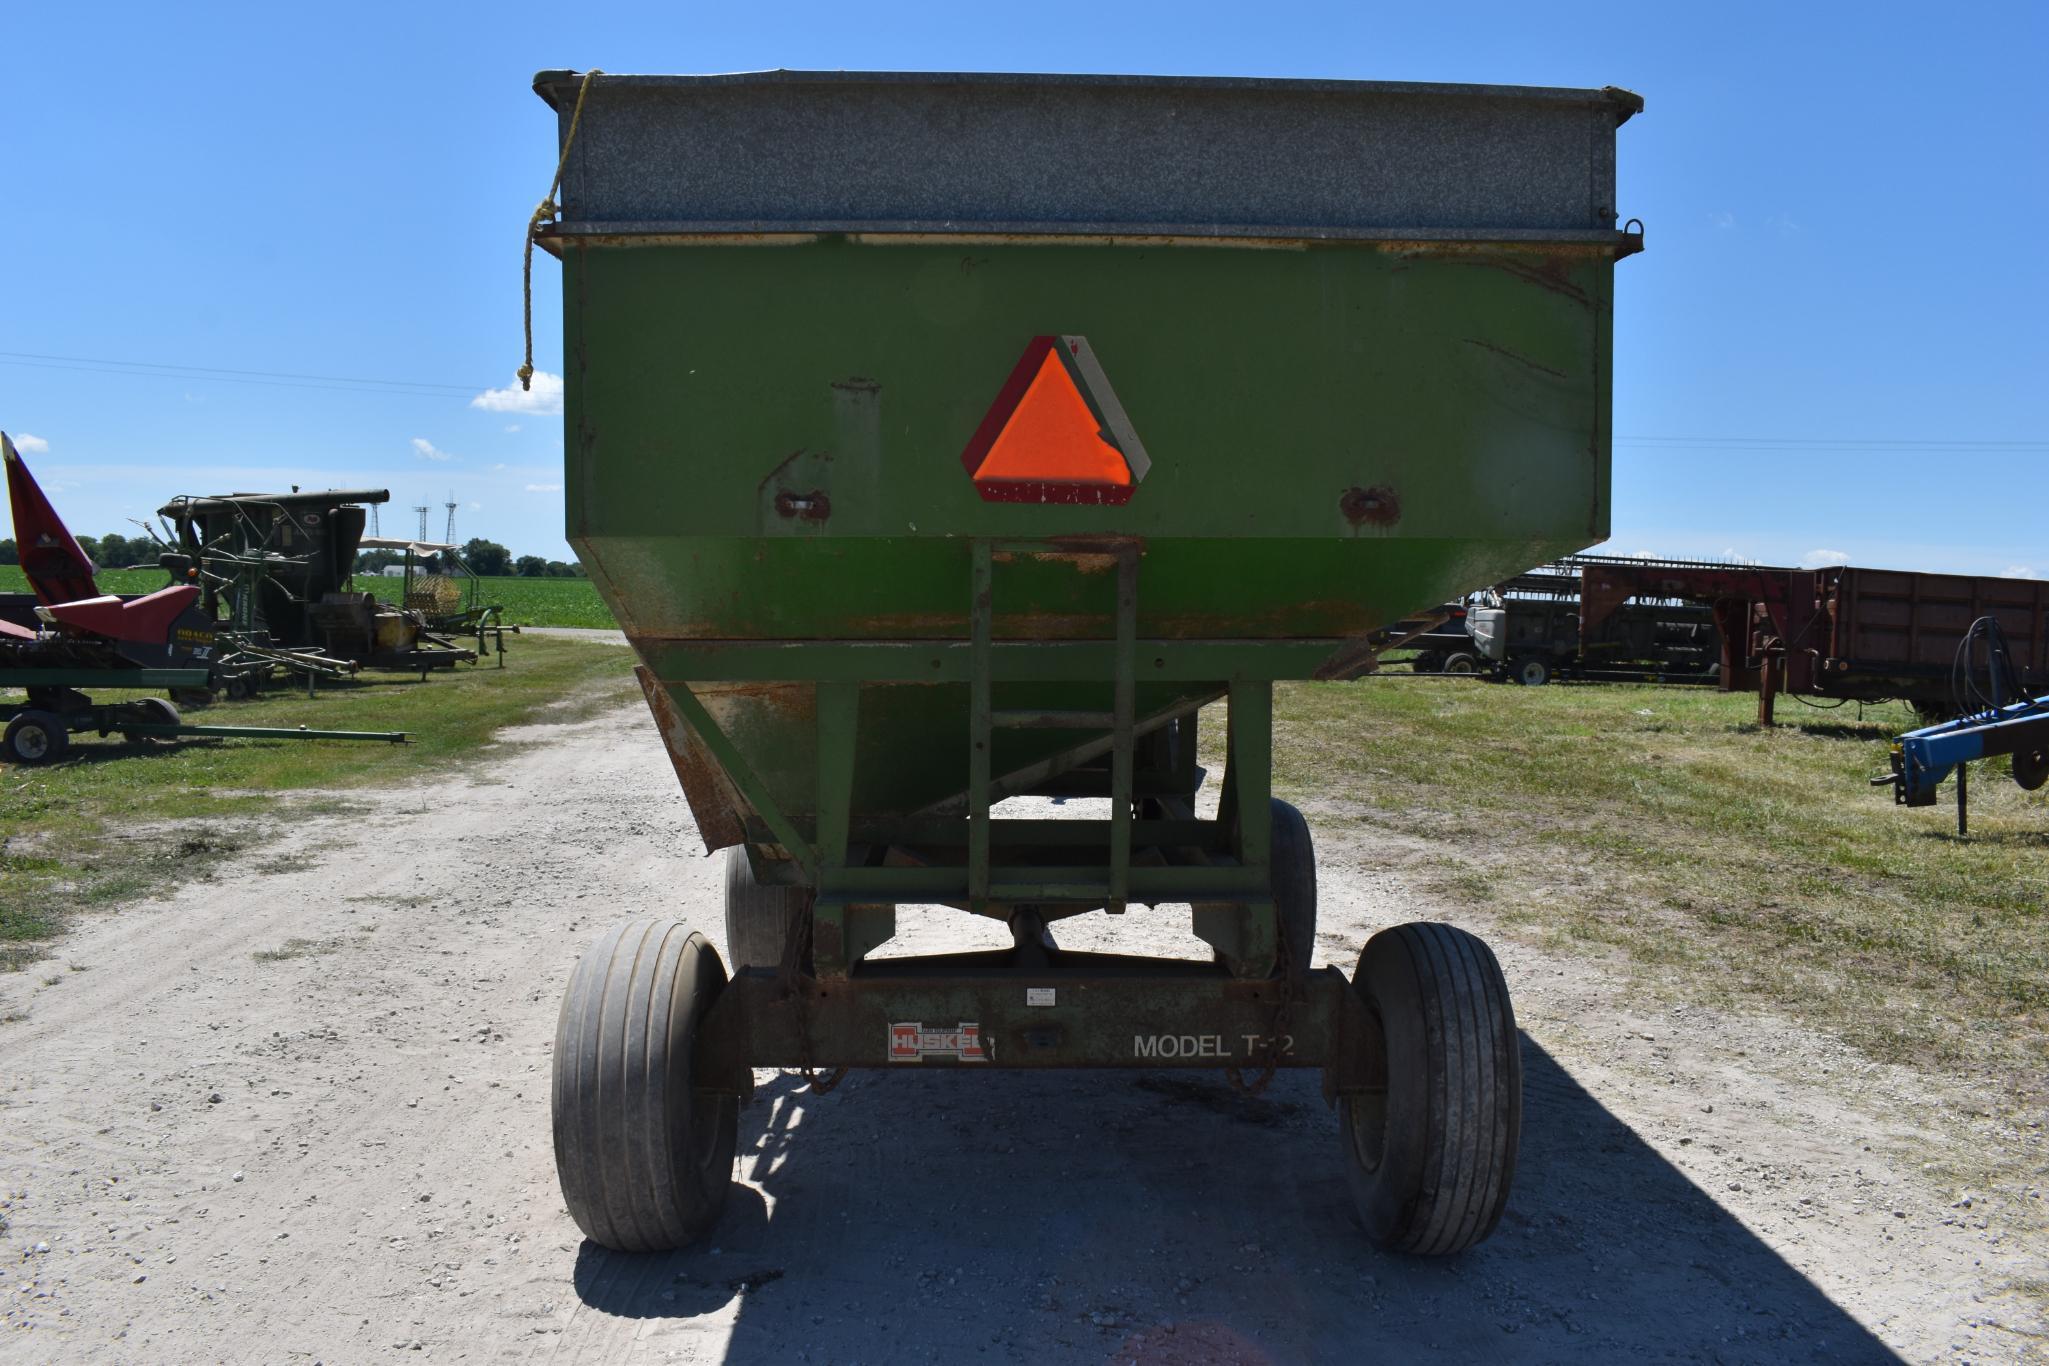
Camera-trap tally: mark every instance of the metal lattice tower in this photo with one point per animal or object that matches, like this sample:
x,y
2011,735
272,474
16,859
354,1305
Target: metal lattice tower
x,y
373,521
448,536
423,509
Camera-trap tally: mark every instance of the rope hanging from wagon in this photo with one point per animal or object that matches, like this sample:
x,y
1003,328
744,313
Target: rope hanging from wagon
x,y
544,213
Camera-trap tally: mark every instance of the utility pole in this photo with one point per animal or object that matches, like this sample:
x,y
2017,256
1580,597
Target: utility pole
x,y
423,509
449,535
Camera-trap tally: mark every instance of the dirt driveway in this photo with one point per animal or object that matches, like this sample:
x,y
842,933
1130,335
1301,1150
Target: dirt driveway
x,y
301,1114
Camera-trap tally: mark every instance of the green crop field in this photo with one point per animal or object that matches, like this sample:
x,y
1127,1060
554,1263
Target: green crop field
x,y
527,602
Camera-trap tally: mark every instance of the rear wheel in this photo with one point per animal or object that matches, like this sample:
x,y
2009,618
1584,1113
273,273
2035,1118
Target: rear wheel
x,y
760,920
1429,662
1461,664
644,1156
35,737
1430,1159
151,711
2031,768
1531,673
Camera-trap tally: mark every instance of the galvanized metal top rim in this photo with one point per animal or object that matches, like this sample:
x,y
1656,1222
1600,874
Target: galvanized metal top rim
x,y
558,87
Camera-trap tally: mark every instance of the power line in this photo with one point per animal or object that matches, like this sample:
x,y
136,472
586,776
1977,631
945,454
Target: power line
x,y
214,374
1882,444
431,389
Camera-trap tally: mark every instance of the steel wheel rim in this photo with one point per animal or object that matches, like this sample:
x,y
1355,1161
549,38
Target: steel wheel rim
x,y
1367,1116
32,742
1366,1119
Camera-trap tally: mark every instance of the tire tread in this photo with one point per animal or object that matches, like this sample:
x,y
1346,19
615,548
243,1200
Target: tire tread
x,y
618,1089
1470,1092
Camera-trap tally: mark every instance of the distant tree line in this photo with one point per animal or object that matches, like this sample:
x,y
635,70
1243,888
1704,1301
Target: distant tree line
x,y
487,558
112,551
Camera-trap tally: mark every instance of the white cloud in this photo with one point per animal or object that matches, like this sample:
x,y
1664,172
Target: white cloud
x,y
427,450
544,488
1820,559
33,445
1731,555
1724,219
498,466
512,426
2018,571
476,507
544,398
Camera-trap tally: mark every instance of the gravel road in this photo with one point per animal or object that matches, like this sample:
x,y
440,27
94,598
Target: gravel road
x,y
300,1113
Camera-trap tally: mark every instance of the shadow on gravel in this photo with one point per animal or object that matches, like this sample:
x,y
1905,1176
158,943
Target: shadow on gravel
x,y
1160,1218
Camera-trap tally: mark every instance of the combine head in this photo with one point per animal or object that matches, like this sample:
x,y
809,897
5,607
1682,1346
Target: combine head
x,y
155,630
58,569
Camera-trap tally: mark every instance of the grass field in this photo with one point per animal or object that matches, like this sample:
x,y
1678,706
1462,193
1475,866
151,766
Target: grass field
x,y
119,820
1725,860
527,602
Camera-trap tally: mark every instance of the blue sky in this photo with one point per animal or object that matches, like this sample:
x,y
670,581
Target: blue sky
x,y
1843,205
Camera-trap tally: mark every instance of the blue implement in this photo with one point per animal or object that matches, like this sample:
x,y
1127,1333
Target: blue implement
x,y
1922,759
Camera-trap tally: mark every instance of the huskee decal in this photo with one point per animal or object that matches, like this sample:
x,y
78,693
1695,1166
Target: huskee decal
x,y
913,1042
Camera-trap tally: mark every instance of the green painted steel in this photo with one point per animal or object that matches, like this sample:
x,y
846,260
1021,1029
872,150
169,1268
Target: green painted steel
x,y
390,737
1472,383
104,678
1465,387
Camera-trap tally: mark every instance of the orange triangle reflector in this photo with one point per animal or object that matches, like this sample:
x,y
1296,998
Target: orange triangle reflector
x,y
1056,433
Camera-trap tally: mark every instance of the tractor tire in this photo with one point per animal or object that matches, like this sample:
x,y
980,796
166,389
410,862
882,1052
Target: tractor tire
x,y
760,920
35,737
2031,768
1430,1160
1294,884
1531,673
645,1158
1461,663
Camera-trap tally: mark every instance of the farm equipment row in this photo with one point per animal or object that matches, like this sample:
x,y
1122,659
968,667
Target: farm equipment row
x,y
278,570
1838,634
1842,633
65,636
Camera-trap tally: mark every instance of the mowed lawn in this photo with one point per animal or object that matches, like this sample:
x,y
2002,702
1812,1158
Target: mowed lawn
x,y
1741,864
527,602
117,820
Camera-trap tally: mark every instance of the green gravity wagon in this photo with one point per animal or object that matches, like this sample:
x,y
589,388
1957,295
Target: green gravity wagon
x,y
945,445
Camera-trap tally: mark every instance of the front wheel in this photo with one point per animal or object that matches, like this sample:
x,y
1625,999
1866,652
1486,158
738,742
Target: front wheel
x,y
35,737
1461,663
643,1149
1531,673
1430,1159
